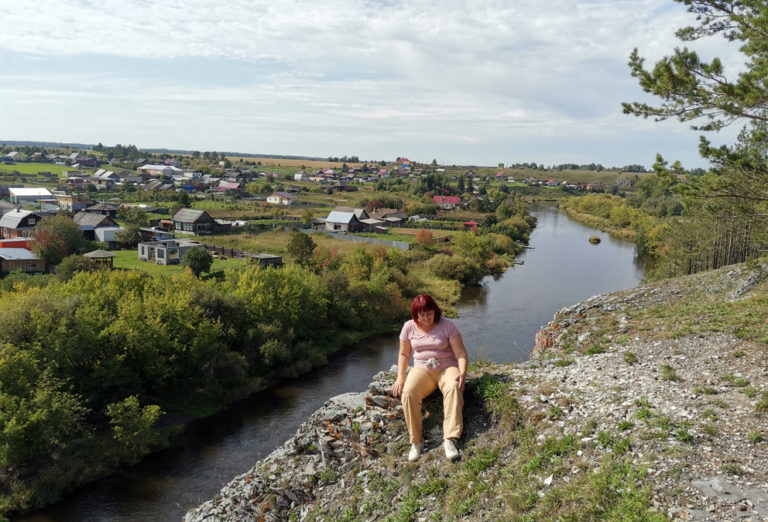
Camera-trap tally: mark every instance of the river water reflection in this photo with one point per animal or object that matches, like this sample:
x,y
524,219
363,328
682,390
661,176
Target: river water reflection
x,y
498,320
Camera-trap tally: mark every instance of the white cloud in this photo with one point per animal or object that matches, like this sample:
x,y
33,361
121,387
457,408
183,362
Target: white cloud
x,y
326,75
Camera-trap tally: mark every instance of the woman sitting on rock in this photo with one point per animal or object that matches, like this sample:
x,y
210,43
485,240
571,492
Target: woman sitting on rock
x,y
439,361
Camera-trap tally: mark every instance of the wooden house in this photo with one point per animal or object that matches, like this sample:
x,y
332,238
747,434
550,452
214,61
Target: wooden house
x,y
18,223
190,221
12,259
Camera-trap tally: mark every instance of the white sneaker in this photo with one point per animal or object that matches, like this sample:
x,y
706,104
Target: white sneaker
x,y
413,455
451,452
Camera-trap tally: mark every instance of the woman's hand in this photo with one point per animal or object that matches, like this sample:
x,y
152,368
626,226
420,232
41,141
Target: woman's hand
x,y
461,378
397,388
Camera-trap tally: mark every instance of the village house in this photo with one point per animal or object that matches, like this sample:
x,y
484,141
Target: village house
x,y
97,227
160,170
21,195
282,198
390,216
73,203
446,202
165,252
19,223
104,207
346,220
190,221
227,186
12,259
105,179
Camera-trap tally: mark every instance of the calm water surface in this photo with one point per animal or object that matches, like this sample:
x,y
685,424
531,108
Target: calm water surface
x,y
498,320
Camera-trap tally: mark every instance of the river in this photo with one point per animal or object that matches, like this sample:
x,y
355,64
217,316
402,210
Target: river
x,y
498,320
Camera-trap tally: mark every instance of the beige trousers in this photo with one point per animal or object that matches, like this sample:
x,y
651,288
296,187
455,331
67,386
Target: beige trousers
x,y
418,385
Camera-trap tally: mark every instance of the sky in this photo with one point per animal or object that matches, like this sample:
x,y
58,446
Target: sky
x,y
465,82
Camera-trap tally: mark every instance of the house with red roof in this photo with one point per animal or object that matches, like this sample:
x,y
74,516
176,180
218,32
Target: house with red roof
x,y
446,202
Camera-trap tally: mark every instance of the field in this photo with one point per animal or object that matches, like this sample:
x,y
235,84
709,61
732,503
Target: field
x,y
296,164
129,259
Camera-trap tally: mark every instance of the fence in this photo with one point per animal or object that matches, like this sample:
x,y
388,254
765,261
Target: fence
x,y
263,259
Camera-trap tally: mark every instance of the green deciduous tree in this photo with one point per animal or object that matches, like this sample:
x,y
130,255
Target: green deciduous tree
x,y
301,246
183,198
130,237
199,260
56,237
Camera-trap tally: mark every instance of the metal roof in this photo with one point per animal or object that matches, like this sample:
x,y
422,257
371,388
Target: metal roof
x,y
188,215
340,217
26,191
13,218
17,254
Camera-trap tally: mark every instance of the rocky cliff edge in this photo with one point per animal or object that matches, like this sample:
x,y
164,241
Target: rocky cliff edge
x,y
641,404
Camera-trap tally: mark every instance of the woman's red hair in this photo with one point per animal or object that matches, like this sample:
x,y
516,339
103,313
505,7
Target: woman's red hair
x,y
424,303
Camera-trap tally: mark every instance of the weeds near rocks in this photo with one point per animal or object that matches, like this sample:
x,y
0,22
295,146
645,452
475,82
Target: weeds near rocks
x,y
736,382
668,373
555,412
630,358
706,390
643,413
755,437
595,349
733,469
625,425
762,403
683,435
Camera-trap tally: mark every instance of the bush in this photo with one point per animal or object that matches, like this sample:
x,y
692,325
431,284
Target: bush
x,y
198,260
456,267
424,238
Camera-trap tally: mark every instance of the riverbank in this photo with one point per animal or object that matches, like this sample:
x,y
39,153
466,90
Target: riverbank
x,y
599,223
644,404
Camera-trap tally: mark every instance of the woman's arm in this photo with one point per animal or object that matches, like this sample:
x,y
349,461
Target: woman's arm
x,y
460,352
402,365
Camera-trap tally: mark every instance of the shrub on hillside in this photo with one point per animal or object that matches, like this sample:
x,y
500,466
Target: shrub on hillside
x,y
456,267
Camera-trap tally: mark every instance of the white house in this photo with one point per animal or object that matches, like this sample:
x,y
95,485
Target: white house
x,y
160,170
28,194
282,198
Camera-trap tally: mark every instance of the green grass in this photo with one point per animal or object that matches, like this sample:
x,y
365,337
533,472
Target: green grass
x,y
668,373
736,382
129,259
34,168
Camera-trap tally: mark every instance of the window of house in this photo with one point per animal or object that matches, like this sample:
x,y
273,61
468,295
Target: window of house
x,y
161,253
31,221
